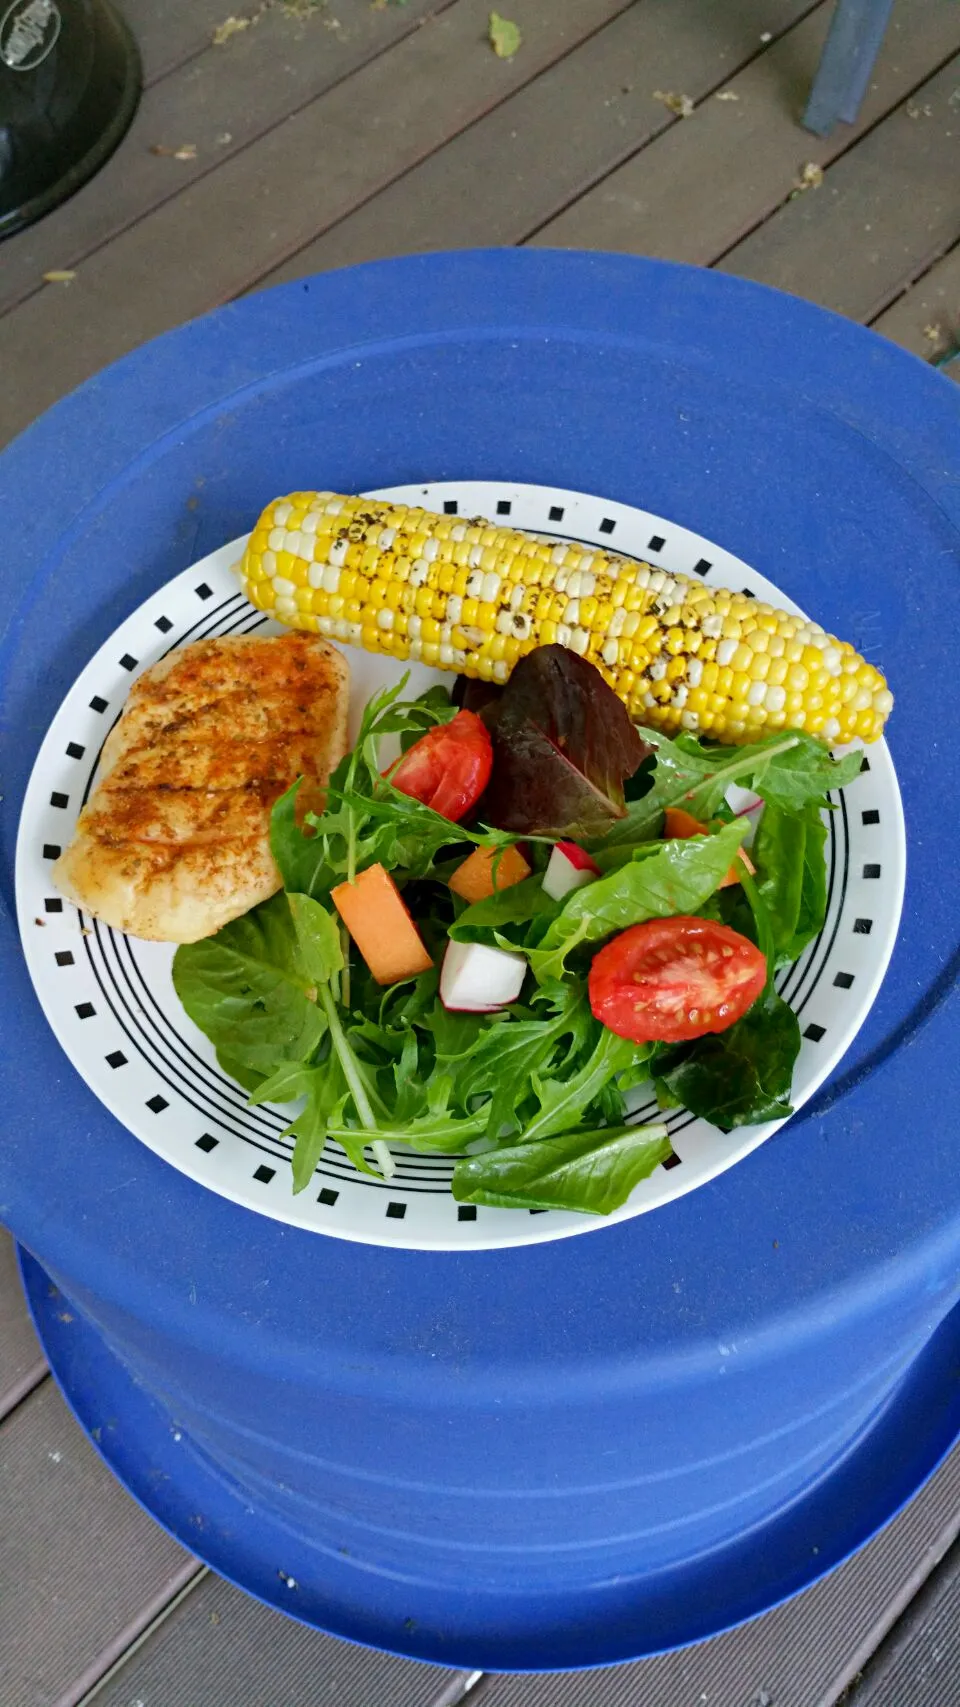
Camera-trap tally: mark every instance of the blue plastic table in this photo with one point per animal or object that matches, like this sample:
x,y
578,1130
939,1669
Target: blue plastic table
x,y
584,1451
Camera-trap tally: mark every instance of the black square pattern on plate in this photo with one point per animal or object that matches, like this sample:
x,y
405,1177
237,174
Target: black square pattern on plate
x,y
606,526
58,799
116,1059
164,624
98,704
327,1196
862,927
128,662
864,764
843,980
264,1174
815,1032
871,871
450,506
504,507
396,1211
672,1161
466,1212
50,850
63,957
53,904
556,512
85,1010
702,566
203,591
748,593
157,1104
536,1212
657,543
74,750
870,817
207,1142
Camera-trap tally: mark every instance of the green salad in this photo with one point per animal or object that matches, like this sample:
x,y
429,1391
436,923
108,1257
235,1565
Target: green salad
x,y
483,949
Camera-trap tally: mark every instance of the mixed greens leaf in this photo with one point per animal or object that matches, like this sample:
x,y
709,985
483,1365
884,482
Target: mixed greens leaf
x,y
531,1100
563,747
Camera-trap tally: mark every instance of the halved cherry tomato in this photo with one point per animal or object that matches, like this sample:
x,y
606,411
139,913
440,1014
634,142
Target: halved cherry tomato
x,y
448,768
680,826
672,979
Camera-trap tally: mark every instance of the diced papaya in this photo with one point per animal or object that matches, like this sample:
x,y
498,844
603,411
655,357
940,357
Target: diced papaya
x,y
374,913
487,871
680,825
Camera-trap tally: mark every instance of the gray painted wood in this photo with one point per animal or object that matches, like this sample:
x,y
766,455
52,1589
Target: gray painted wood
x,y
214,238
919,1663
508,174
711,179
221,1649
82,1568
885,212
217,103
169,32
926,319
802,1654
22,1363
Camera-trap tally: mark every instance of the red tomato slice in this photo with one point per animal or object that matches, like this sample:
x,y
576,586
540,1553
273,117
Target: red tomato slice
x,y
448,768
672,979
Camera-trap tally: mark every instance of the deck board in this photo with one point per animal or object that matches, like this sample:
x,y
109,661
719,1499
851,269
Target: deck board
x,y
22,1363
82,1568
218,102
926,319
919,1663
247,215
886,211
221,1649
665,202
585,116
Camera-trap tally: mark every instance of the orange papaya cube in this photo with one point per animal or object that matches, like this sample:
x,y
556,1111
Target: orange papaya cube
x,y
374,913
487,871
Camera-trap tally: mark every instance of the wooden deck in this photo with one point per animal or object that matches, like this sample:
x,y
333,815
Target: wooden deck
x,y
358,131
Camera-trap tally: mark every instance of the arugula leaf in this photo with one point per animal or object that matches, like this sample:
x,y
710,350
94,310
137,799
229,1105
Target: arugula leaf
x,y
238,1069
564,1101
778,854
675,877
504,36
789,769
520,904
248,990
318,938
592,1171
740,1076
563,747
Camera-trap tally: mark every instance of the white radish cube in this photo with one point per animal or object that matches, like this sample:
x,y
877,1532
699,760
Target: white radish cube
x,y
569,868
478,979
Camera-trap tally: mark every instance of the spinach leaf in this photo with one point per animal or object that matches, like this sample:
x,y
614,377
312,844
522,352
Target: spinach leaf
x,y
675,877
249,991
778,854
563,747
813,890
740,1076
594,1171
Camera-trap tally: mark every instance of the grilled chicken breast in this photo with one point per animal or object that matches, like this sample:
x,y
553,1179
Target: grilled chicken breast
x,y
174,841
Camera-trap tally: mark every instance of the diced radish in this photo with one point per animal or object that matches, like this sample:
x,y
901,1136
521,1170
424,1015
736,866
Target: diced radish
x,y
477,979
569,867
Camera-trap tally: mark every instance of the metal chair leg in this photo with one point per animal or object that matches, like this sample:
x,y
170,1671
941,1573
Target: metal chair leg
x,y
856,31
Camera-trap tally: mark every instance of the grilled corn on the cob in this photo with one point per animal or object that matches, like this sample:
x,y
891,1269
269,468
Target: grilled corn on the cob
x,y
472,597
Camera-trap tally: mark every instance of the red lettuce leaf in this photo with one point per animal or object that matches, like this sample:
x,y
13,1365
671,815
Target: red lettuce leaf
x,y
563,748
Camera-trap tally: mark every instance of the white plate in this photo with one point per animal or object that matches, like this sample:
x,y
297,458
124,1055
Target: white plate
x,y
110,998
